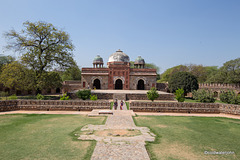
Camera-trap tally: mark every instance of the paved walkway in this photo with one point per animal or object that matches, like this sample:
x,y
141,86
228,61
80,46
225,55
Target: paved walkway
x,y
115,147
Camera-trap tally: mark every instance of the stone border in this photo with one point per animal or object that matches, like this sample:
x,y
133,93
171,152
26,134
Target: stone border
x,y
53,105
178,107
80,105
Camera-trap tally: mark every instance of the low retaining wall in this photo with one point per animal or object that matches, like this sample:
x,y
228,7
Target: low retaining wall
x,y
178,107
229,109
10,105
69,105
174,107
129,96
167,97
53,105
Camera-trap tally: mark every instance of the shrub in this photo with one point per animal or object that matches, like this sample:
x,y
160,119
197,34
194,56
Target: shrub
x,y
204,96
83,94
12,97
40,97
230,97
93,97
180,95
152,94
64,97
3,94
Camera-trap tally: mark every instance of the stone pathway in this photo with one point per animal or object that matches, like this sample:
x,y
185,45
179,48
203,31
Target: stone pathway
x,y
116,147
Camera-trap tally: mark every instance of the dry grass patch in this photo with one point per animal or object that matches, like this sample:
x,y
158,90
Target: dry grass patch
x,y
118,132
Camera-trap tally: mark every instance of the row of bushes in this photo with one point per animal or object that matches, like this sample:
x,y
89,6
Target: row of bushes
x,y
81,94
206,96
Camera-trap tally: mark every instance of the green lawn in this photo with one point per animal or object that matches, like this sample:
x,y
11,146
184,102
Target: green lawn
x,y
189,137
189,100
32,136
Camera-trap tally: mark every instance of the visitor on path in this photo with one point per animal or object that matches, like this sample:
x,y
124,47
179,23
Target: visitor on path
x,y
121,105
115,104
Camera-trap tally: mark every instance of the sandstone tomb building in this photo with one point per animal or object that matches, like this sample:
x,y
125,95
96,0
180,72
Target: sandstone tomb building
x,y
118,74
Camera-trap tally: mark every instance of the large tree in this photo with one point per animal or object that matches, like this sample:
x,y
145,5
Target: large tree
x,y
43,47
183,80
17,76
5,60
201,72
72,73
228,73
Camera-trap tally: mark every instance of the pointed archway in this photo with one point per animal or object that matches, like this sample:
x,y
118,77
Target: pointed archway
x,y
118,84
97,84
140,85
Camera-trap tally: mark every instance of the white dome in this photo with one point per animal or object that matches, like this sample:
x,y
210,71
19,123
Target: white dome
x,y
118,56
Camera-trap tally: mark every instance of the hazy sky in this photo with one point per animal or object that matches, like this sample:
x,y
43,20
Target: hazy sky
x,y
164,32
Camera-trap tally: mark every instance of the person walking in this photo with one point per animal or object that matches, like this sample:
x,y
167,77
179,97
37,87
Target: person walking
x,y
115,104
121,105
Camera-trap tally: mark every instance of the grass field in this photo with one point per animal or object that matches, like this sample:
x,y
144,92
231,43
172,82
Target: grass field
x,y
190,137
189,100
33,136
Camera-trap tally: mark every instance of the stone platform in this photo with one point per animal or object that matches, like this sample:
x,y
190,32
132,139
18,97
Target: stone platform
x,y
130,95
116,144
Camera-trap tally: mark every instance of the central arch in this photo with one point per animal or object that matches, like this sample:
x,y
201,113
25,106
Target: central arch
x,y
118,84
140,85
97,84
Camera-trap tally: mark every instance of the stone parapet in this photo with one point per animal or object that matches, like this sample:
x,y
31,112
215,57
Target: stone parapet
x,y
69,105
177,107
167,97
229,109
9,105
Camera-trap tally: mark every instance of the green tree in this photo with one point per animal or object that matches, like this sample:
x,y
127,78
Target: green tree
x,y
230,97
169,72
152,94
84,94
228,73
44,47
204,96
184,80
71,73
17,76
49,80
180,95
5,60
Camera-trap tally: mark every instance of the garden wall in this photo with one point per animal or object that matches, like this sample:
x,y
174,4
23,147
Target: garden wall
x,y
8,105
80,105
53,105
57,105
176,107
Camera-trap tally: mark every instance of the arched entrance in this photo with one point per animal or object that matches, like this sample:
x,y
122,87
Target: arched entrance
x,y
97,84
118,84
215,94
140,85
58,90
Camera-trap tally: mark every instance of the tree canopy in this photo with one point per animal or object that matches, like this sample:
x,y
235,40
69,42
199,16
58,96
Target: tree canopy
x,y
5,60
228,73
43,48
184,80
202,73
17,76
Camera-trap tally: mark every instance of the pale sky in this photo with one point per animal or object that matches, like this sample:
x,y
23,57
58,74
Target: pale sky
x,y
164,32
